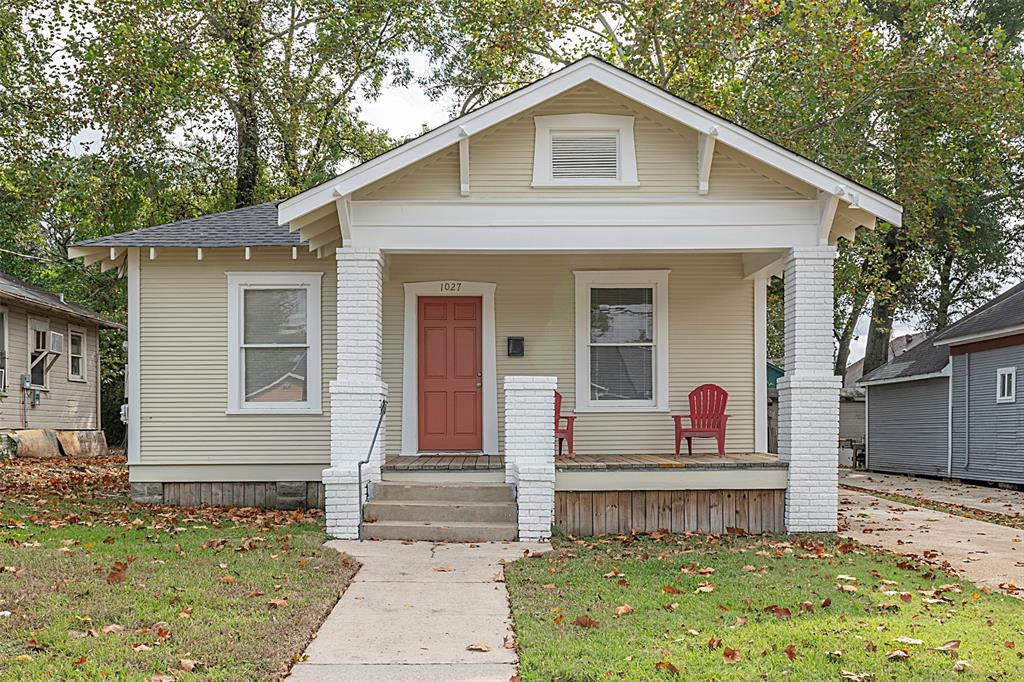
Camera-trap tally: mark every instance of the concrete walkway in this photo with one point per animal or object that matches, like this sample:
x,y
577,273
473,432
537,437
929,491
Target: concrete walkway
x,y
982,498
411,612
985,553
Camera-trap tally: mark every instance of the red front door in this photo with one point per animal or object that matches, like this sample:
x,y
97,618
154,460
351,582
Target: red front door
x,y
450,363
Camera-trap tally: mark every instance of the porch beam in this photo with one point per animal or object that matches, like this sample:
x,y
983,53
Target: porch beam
x,y
705,154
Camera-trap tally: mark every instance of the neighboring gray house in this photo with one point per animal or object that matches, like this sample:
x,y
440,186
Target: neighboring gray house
x,y
948,406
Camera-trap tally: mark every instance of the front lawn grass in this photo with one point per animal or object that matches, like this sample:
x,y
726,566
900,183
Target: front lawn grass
x,y
94,587
746,608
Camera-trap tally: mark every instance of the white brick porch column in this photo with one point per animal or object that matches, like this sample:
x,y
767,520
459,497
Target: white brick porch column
x,y
530,452
809,393
357,391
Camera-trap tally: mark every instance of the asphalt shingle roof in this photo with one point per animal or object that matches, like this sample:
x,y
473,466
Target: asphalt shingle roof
x,y
14,288
1005,310
249,226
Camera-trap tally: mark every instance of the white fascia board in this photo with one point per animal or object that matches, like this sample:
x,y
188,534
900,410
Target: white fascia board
x,y
981,336
588,69
945,372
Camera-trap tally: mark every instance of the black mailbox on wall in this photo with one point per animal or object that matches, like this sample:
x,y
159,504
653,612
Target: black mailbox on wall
x,y
516,347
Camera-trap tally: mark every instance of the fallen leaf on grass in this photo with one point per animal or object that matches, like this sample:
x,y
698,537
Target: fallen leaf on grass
x,y
740,621
961,666
671,607
614,573
908,640
1009,645
668,589
585,621
23,658
141,647
667,667
479,646
623,610
113,627
79,661
705,587
782,613
856,677
186,611
826,602
187,664
159,677
116,574
548,586
278,603
898,654
226,579
730,656
951,645
714,643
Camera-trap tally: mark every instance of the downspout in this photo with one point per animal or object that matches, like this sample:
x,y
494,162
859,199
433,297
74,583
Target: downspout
x,y
867,428
949,423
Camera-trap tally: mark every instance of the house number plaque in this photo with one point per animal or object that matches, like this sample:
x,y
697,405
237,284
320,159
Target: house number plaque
x,y
447,287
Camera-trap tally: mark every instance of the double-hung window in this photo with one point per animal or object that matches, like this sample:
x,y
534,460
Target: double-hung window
x,y
38,352
76,354
274,342
622,340
1006,385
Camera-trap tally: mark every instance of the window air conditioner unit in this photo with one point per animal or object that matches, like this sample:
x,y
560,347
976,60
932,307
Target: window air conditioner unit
x,y
56,343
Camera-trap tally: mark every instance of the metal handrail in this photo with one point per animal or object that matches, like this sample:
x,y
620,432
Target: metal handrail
x,y
366,460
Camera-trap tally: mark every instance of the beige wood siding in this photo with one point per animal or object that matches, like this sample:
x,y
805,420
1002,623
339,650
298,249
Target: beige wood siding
x,y
183,355
711,336
501,160
65,404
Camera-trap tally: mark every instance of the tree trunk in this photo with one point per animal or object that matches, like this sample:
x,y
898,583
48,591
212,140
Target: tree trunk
x,y
945,298
846,335
247,60
879,334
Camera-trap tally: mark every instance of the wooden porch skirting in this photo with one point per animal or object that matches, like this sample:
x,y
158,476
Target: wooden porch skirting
x,y
584,512
270,495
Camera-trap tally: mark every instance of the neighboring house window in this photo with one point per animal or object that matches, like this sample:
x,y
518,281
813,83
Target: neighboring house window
x,y
580,150
274,342
622,340
38,345
1006,385
3,349
76,354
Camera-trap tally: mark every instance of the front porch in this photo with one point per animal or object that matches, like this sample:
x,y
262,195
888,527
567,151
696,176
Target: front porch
x,y
589,462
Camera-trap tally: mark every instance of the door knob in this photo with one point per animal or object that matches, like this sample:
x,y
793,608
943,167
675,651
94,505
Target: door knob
x,y
479,385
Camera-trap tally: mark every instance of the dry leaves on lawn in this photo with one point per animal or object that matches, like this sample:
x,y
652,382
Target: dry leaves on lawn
x,y
731,656
665,666
585,621
623,610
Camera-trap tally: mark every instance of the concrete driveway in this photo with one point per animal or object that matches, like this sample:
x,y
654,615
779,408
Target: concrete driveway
x,y
982,498
985,553
419,611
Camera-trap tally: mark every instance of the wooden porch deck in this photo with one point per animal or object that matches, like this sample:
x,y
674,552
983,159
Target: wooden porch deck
x,y
584,462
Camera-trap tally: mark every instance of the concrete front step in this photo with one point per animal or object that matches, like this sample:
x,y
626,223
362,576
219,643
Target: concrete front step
x,y
435,511
443,492
449,531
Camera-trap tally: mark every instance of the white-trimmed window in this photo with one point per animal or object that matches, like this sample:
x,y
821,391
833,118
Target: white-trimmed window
x,y
622,340
1006,385
4,347
584,150
38,351
274,342
76,354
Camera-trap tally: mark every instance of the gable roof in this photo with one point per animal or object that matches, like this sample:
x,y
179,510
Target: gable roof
x,y
1004,312
626,84
931,355
23,292
248,226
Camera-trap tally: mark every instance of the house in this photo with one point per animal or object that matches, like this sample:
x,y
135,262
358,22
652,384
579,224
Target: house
x,y
49,369
589,233
897,346
948,407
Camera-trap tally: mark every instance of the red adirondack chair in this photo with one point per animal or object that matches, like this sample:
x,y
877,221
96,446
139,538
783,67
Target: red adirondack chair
x,y
707,417
562,432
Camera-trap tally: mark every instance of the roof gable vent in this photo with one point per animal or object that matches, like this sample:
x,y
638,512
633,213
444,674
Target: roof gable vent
x,y
584,154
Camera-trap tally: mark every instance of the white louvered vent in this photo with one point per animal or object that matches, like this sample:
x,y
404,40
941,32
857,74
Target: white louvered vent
x,y
584,155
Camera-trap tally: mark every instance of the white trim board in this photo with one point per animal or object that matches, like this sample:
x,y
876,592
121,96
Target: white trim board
x,y
410,360
595,70
761,365
134,357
